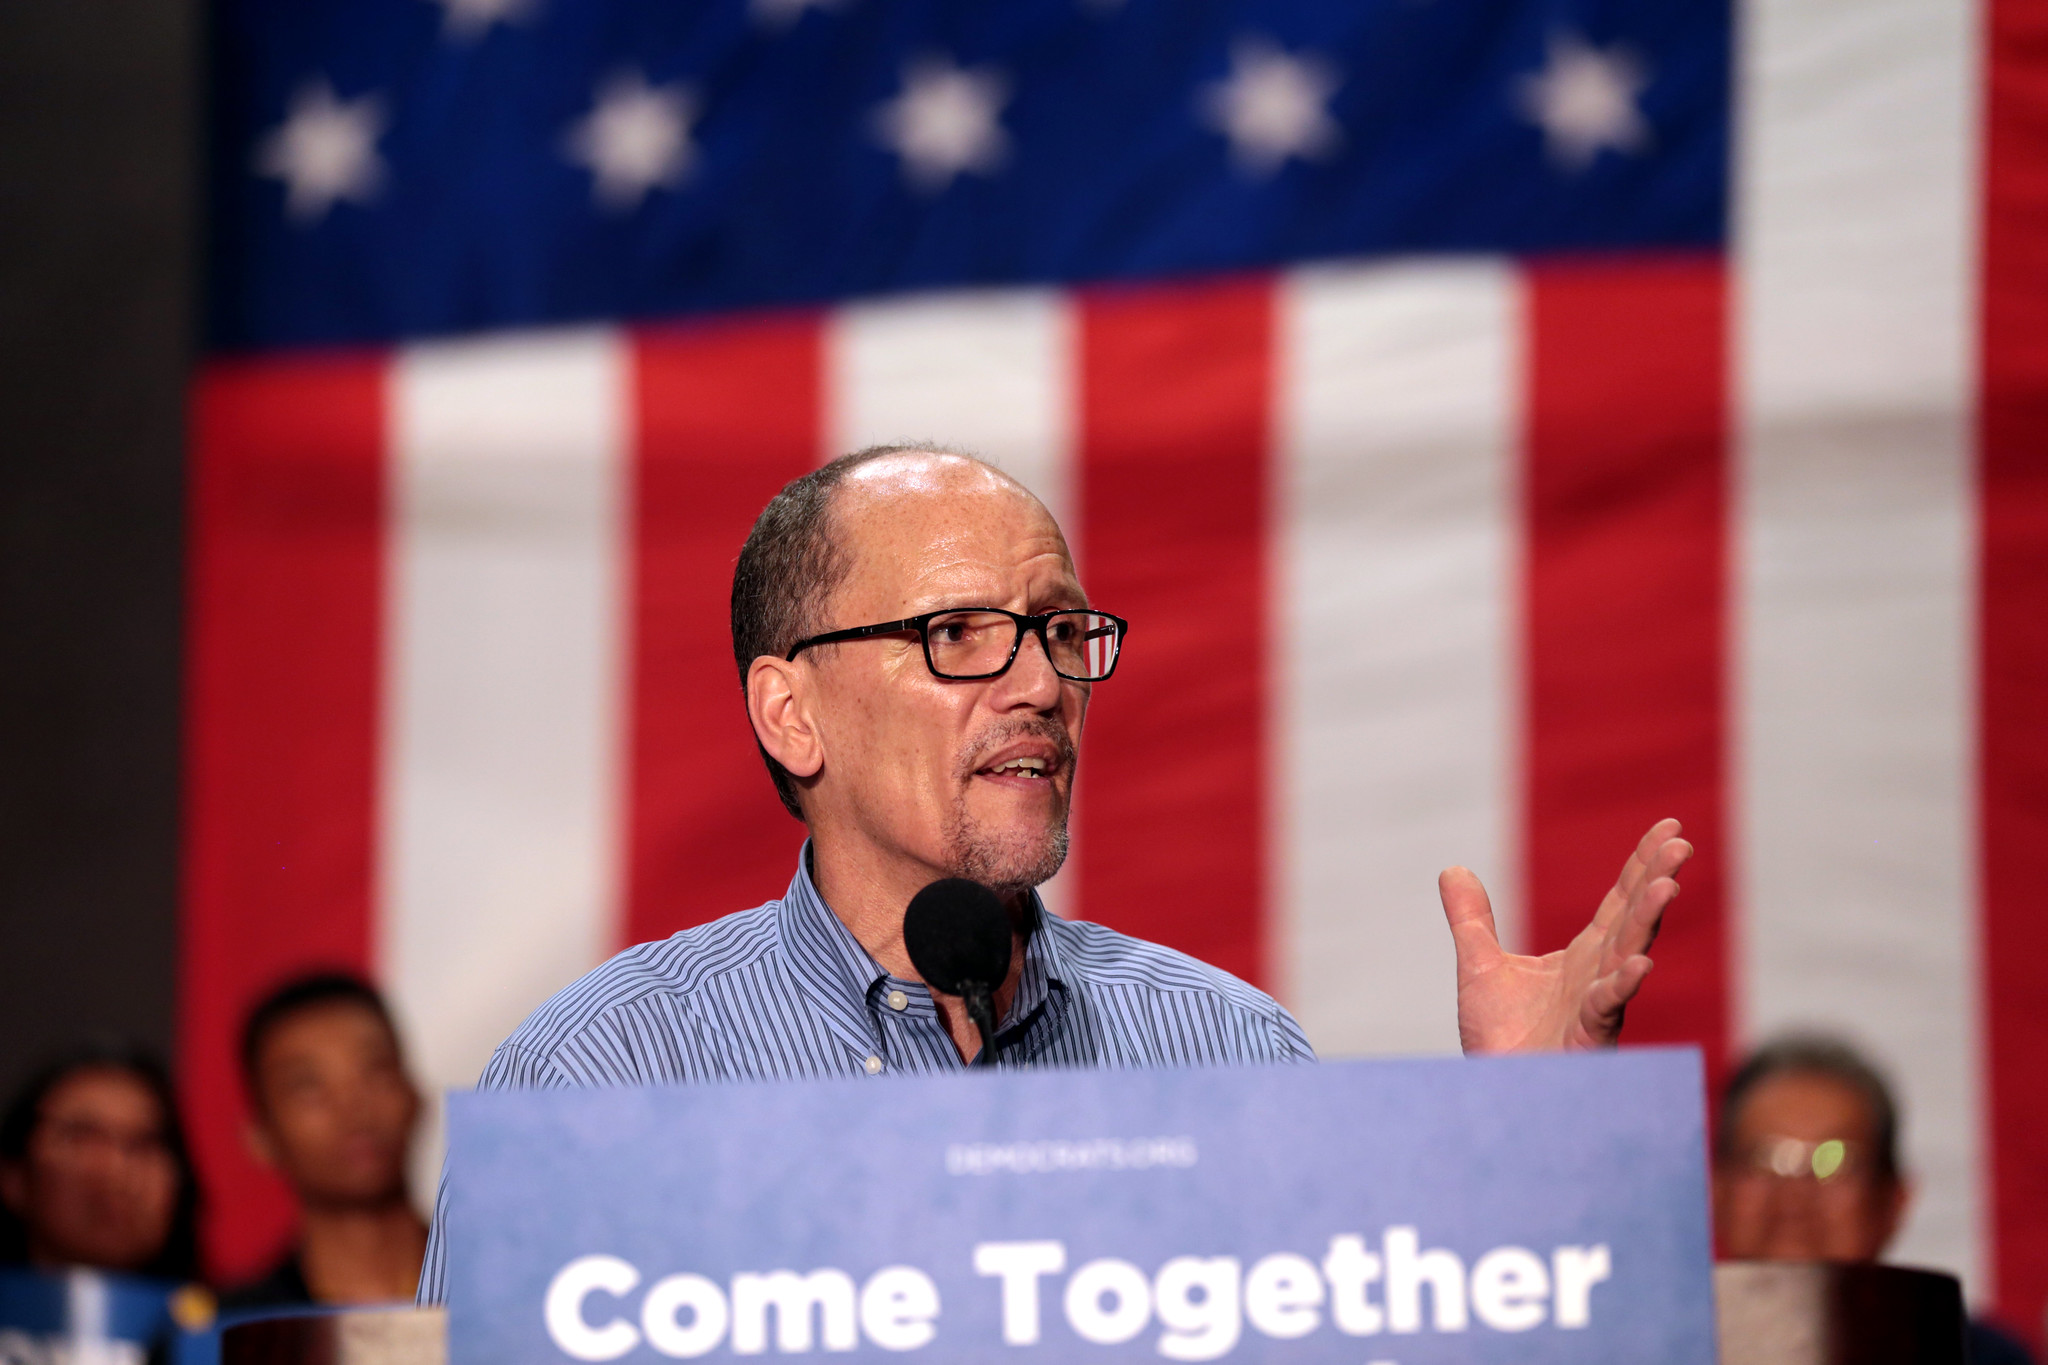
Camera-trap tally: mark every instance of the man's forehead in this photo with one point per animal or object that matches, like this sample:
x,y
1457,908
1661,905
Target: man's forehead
x,y
934,483
1804,1094
921,514
345,1027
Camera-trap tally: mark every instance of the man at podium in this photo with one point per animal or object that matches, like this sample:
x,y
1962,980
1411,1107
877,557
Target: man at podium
x,y
917,657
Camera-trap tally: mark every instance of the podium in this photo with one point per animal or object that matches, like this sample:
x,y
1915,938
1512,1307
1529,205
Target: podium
x,y
1541,1210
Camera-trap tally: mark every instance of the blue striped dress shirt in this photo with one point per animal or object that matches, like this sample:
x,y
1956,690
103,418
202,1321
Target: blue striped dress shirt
x,y
784,991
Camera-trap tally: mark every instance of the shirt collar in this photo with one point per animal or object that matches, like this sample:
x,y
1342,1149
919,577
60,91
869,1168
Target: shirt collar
x,y
1040,979
827,961
838,975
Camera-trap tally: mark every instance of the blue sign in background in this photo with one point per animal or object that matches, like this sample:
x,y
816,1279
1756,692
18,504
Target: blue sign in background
x,y
1578,1161
81,1311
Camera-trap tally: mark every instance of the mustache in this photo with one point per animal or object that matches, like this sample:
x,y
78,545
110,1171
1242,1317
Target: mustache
x,y
1009,732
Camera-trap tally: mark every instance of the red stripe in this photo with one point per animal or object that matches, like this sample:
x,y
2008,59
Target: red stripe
x,y
1625,505
281,717
2014,714
726,414
1176,387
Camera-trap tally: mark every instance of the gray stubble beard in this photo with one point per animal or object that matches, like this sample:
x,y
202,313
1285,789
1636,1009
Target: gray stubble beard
x,y
1011,866
1001,865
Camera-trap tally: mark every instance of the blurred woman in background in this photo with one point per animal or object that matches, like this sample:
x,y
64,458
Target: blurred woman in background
x,y
94,1171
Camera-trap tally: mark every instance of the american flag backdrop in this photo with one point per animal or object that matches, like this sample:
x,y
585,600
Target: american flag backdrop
x,y
1504,424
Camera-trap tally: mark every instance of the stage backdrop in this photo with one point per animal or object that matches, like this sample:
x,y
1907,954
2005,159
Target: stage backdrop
x,y
1503,424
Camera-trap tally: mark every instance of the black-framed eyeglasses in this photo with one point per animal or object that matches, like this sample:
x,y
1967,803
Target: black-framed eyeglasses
x,y
966,643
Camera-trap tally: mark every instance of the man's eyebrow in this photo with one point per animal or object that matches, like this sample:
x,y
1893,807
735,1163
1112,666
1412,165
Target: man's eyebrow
x,y
967,601
951,601
1069,597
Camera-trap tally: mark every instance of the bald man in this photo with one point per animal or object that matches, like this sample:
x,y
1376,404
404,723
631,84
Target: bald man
x,y
917,657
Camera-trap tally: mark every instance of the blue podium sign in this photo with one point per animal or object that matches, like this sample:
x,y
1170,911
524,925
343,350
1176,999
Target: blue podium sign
x,y
1534,1209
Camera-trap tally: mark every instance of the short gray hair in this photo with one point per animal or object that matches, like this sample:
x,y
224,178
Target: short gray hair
x,y
1815,1054
787,571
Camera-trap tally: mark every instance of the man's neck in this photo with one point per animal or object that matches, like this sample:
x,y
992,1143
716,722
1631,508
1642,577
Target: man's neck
x,y
870,900
362,1253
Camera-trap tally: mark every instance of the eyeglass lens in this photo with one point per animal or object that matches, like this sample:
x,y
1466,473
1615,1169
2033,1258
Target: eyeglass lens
x,y
969,644
1794,1158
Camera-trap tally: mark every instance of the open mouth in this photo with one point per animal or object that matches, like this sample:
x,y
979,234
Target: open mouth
x,y
1024,759
1027,769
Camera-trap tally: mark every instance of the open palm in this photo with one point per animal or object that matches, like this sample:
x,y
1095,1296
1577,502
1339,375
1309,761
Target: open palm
x,y
1573,998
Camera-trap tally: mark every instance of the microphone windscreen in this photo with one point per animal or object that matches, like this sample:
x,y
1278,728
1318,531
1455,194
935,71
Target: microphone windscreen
x,y
957,936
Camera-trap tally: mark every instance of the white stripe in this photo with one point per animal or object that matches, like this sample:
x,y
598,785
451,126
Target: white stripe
x,y
1395,696
986,373
498,865
1855,247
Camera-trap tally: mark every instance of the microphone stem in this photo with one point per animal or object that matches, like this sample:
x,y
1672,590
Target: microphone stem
x,y
981,1009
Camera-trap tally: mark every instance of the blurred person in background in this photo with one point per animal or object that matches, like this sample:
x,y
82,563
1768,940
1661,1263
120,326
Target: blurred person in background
x,y
333,1112
94,1171
1806,1167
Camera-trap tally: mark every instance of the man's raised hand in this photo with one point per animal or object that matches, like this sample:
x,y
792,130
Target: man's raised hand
x,y
1573,998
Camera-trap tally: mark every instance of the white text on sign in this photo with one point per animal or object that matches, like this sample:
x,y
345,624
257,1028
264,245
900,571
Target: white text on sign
x,y
1201,1306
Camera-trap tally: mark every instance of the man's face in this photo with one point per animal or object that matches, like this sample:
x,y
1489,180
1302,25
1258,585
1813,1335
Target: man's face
x,y
335,1108
926,777
1799,1181
98,1185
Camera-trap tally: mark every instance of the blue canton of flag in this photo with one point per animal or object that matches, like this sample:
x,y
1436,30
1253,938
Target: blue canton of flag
x,y
389,169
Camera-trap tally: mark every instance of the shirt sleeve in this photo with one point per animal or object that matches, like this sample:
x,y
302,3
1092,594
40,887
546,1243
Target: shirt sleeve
x,y
1290,1042
509,1069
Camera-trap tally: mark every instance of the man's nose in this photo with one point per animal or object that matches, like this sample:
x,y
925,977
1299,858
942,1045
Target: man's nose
x,y
1030,677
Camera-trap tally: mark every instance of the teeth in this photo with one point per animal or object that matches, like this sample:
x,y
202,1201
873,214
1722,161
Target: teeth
x,y
1029,767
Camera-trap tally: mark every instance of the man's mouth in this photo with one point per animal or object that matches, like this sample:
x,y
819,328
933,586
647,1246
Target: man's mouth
x,y
1037,769
1022,758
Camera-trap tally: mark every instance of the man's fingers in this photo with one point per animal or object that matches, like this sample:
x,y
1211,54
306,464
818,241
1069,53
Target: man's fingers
x,y
1651,858
1471,918
1638,928
1636,869
1600,1013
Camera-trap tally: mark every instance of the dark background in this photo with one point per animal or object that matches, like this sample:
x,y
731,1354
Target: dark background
x,y
99,139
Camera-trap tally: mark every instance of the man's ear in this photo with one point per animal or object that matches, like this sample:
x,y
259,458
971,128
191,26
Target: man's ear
x,y
1891,1210
14,1185
778,704
413,1105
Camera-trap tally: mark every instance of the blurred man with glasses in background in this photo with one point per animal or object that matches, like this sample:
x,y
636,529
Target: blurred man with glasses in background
x,y
1806,1167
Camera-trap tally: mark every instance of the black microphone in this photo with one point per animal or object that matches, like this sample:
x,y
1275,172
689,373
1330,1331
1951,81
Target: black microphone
x,y
958,937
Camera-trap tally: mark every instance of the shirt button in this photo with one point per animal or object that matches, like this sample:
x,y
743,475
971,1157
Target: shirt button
x,y
874,1065
898,1000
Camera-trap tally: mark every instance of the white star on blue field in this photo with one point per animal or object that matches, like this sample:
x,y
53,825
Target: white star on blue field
x,y
420,166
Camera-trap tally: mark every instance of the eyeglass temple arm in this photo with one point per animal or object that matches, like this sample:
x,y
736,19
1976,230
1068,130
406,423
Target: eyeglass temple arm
x,y
833,637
